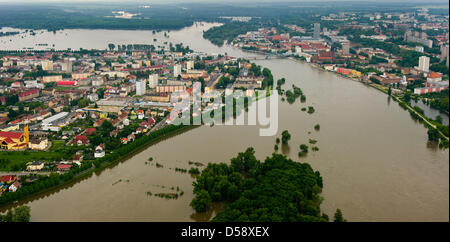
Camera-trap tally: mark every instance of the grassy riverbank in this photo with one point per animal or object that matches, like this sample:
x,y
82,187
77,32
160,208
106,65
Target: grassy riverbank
x,y
428,122
56,181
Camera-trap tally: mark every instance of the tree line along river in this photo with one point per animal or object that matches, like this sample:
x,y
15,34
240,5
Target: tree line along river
x,y
374,158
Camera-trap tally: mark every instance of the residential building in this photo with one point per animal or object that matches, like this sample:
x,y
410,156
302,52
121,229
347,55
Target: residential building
x,y
35,166
316,34
247,82
66,66
8,179
434,77
64,167
97,81
99,151
28,95
140,114
346,48
47,79
419,49
47,65
158,97
67,83
141,87
38,143
418,37
80,140
170,89
189,65
424,64
444,52
14,187
176,70
153,80
80,76
432,87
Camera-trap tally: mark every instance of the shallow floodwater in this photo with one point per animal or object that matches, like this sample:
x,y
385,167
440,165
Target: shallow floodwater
x,y
374,158
430,112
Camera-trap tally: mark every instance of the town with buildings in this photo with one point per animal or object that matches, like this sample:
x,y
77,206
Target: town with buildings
x,y
78,106
81,105
382,53
100,109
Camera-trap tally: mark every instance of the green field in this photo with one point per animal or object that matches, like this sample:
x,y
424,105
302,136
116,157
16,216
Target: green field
x,y
57,145
16,160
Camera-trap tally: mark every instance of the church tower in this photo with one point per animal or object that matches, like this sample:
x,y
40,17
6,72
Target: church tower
x,y
27,134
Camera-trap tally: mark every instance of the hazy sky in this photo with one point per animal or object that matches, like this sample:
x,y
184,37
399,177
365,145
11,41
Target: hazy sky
x,y
149,2
210,1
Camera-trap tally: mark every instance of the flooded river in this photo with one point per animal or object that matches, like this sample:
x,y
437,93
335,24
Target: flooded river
x,y
374,158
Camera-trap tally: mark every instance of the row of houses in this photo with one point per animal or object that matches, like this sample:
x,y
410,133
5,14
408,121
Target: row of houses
x,y
9,183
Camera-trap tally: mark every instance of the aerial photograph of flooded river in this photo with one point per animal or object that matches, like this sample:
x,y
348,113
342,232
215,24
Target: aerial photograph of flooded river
x,y
197,111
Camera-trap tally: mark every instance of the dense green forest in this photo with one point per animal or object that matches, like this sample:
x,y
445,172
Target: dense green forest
x,y
229,31
278,189
55,17
19,214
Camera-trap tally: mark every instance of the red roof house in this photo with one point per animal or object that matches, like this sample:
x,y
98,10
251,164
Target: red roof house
x,y
67,83
276,38
8,179
81,140
91,131
64,167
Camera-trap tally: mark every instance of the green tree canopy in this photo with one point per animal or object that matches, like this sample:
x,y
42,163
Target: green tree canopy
x,y
278,189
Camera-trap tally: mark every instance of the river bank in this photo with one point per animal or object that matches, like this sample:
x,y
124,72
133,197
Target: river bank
x,y
428,121
97,169
375,161
163,132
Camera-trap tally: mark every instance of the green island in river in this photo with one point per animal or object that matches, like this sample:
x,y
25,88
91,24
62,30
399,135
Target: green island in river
x,y
278,189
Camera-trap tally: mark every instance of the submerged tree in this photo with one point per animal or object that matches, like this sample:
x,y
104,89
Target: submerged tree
x,y
338,217
317,127
433,135
201,202
19,214
285,137
278,189
304,148
111,46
